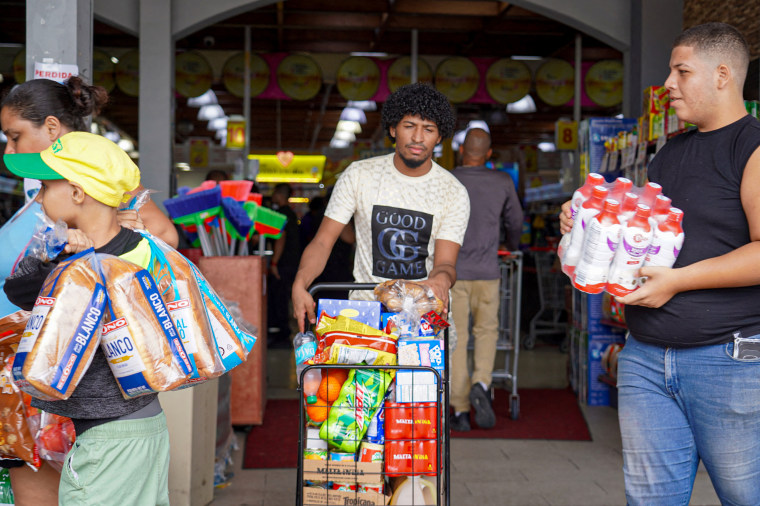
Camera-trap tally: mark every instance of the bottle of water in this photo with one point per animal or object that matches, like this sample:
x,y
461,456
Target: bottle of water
x,y
305,346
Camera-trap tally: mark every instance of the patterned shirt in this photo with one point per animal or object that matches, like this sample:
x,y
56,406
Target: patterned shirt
x,y
398,218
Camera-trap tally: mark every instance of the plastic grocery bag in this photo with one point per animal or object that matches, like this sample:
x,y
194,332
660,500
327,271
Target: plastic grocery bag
x,y
410,300
140,341
351,413
63,331
15,235
183,298
55,436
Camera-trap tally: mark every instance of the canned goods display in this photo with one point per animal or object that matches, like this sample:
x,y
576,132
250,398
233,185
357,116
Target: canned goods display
x,y
342,457
344,487
371,452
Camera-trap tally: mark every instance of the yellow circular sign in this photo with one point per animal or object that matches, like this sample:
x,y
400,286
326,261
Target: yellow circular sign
x,y
508,80
555,82
128,73
358,78
233,74
102,70
457,78
192,74
299,77
400,73
19,67
604,83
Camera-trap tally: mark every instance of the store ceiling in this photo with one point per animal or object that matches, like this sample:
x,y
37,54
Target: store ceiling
x,y
474,28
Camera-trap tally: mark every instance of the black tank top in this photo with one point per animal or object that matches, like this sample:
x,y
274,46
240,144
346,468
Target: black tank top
x,y
702,173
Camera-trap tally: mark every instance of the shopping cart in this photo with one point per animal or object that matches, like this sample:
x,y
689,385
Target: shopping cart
x,y
510,307
551,293
435,449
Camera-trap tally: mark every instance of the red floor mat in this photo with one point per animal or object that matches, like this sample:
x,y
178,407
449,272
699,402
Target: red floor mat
x,y
544,414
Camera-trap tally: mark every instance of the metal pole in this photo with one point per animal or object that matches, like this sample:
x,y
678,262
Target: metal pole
x,y
247,98
415,53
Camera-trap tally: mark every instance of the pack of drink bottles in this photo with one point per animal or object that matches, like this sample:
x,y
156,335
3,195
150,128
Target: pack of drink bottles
x,y
617,229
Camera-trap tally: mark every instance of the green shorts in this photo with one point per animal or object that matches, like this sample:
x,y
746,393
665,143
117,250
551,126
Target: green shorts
x,y
125,463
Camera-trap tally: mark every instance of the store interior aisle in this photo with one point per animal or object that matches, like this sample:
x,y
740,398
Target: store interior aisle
x,y
487,472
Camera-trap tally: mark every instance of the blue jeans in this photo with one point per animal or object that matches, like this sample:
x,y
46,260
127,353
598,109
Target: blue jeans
x,y
677,406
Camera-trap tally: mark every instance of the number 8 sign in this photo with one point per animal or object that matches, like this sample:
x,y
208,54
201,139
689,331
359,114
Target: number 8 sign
x,y
566,135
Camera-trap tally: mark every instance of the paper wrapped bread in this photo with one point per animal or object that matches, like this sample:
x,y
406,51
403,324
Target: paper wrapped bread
x,y
140,341
185,303
62,333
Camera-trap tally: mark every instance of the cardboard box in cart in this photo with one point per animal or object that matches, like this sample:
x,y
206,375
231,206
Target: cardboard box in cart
x,y
343,472
419,386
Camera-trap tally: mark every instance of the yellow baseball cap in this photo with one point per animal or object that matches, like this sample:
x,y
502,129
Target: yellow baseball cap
x,y
103,170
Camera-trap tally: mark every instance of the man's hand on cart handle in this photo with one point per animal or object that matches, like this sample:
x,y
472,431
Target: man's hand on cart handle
x,y
303,303
440,284
565,218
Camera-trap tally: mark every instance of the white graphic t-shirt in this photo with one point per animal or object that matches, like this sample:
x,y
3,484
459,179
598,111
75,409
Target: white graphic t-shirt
x,y
398,218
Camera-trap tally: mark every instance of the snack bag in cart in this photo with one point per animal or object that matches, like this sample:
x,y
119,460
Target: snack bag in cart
x,y
350,416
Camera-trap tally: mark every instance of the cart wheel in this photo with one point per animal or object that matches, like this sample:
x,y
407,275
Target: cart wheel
x,y
514,407
529,342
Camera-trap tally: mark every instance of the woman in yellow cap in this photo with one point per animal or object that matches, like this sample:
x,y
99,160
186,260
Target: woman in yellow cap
x,y
33,116
37,113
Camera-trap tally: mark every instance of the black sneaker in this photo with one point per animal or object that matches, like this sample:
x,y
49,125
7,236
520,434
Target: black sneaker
x,y
460,422
481,403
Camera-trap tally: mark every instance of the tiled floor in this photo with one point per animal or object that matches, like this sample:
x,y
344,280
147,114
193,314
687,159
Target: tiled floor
x,y
490,472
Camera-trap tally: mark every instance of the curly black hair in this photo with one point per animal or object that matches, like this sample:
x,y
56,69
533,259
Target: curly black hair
x,y
421,100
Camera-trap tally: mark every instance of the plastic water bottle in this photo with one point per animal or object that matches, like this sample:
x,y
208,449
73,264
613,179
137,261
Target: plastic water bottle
x,y
580,196
305,346
651,190
621,186
311,380
599,244
661,208
628,207
636,237
667,241
590,208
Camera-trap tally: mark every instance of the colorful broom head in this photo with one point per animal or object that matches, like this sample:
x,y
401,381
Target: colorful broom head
x,y
238,190
237,218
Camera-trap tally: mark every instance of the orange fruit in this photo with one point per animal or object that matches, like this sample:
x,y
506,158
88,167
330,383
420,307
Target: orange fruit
x,y
339,374
329,388
318,412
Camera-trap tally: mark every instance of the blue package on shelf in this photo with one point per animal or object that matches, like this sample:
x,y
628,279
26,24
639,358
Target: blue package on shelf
x,y
599,131
598,392
365,311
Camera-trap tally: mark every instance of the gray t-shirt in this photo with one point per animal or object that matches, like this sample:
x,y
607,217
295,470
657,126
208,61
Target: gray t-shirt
x,y
493,203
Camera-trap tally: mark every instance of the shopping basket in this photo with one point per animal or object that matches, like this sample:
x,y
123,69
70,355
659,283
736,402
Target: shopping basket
x,y
415,431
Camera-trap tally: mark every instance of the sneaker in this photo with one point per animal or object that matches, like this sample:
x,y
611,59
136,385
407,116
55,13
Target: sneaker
x,y
480,399
460,422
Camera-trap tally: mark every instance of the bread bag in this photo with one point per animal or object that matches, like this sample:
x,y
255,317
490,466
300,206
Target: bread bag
x,y
140,341
63,331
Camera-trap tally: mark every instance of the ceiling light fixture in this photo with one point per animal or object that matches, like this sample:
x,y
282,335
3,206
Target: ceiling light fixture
x,y
207,98
547,147
344,136
522,106
353,114
349,126
478,123
364,105
209,112
339,144
527,58
217,123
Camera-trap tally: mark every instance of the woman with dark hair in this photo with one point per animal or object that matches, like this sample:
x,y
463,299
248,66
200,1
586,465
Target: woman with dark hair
x,y
33,116
36,113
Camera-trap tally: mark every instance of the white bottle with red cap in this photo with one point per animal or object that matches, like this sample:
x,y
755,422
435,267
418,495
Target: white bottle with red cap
x,y
667,241
628,207
580,196
599,244
586,213
661,208
635,239
649,193
620,187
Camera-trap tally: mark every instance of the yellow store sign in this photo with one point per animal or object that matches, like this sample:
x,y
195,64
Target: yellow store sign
x,y
285,167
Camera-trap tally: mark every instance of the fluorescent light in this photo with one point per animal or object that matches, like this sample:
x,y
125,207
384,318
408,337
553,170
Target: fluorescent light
x,y
209,112
349,126
529,58
522,106
217,123
344,136
364,105
185,167
298,200
547,147
112,136
207,98
126,145
114,60
478,123
353,114
339,144
369,53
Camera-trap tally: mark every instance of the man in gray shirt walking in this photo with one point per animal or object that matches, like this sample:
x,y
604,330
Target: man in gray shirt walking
x,y
493,202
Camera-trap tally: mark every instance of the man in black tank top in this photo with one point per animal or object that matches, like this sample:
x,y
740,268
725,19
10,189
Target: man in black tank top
x,y
689,375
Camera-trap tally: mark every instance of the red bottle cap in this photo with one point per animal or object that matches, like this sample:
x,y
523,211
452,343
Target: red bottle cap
x,y
661,205
675,214
641,218
599,192
594,179
629,201
623,184
651,190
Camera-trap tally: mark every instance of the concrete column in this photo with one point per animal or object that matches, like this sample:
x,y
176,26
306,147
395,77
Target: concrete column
x,y
156,110
654,26
60,30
